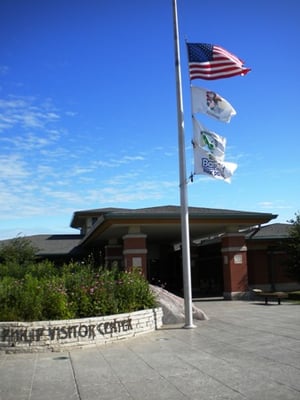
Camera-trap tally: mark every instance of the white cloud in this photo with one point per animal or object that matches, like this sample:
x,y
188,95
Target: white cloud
x,y
44,171
12,168
132,158
77,170
274,205
124,190
26,112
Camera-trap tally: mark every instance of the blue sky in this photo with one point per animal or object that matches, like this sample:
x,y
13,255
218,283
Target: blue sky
x,y
88,108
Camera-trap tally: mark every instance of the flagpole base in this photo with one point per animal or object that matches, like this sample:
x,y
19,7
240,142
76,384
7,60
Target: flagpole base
x,y
190,326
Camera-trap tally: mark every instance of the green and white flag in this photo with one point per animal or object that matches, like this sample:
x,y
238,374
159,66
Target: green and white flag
x,y
209,141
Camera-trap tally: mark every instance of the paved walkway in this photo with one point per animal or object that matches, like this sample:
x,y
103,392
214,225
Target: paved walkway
x,y
245,351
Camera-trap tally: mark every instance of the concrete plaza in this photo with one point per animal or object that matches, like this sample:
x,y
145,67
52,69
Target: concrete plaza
x,y
246,350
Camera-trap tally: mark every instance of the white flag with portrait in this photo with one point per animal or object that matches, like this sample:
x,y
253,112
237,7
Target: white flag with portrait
x,y
208,102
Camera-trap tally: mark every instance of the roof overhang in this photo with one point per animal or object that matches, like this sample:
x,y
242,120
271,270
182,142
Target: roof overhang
x,y
164,223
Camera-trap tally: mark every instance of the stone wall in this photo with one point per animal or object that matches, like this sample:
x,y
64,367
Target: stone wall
x,y
60,335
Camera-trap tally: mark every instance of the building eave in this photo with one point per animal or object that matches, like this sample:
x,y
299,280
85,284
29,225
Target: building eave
x,y
206,220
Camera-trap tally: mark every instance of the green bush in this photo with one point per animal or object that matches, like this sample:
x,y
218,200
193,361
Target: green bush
x,y
9,294
41,291
294,295
55,302
20,299
132,292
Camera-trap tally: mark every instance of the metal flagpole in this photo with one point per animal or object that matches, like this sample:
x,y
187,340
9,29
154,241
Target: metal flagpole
x,y
185,235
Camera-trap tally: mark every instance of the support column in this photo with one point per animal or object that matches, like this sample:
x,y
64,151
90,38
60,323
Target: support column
x,y
135,252
235,270
113,254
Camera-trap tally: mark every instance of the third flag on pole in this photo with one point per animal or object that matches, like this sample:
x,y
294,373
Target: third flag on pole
x,y
209,141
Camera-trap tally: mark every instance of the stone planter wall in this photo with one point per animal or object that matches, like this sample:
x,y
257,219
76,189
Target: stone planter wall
x,y
60,335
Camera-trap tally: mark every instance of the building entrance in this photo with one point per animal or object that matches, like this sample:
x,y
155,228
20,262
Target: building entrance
x,y
206,270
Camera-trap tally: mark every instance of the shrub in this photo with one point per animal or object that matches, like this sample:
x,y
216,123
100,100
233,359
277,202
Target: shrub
x,y
294,295
55,302
133,292
30,298
20,299
9,294
40,291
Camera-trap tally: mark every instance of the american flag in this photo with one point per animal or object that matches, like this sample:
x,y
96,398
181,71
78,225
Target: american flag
x,y
207,61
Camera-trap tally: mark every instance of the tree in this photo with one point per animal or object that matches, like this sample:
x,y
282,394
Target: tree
x,y
19,251
293,249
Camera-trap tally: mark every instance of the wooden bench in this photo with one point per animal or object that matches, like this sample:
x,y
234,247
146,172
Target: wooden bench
x,y
271,295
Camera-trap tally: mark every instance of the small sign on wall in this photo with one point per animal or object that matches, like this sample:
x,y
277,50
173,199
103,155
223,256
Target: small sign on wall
x,y
136,261
238,259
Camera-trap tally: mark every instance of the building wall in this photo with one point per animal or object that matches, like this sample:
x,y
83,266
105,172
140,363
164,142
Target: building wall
x,y
257,267
267,268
